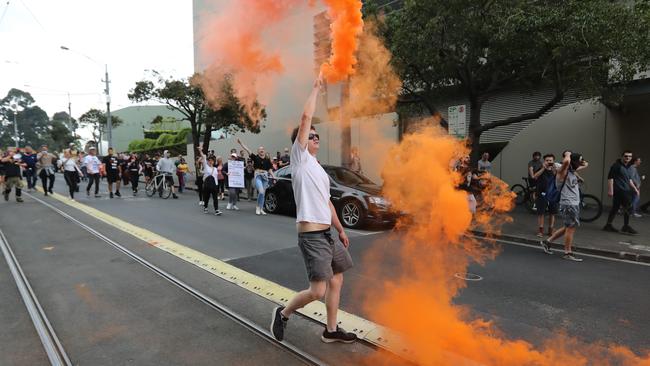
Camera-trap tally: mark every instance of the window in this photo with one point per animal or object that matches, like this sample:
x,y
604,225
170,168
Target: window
x,y
348,177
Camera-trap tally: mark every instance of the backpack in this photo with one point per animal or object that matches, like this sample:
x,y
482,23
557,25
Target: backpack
x,y
553,194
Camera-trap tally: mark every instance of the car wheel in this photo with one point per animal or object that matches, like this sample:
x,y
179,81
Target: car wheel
x,y
352,214
271,203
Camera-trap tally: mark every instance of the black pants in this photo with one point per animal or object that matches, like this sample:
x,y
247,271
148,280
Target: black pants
x,y
30,175
134,180
222,186
621,200
199,187
44,178
210,189
71,181
93,178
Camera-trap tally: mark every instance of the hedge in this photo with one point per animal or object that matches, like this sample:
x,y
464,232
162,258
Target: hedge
x,y
164,140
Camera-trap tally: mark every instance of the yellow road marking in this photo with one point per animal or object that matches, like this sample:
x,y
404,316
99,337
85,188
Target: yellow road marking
x,y
365,329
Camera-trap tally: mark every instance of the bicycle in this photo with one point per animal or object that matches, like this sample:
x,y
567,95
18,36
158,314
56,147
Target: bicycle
x,y
524,194
158,183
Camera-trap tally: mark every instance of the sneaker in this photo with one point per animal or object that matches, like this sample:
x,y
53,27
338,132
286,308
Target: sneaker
x,y
546,247
200,203
45,193
19,199
229,207
110,194
339,335
117,193
637,215
205,210
257,211
88,193
278,323
217,213
570,257
234,207
540,234
628,230
262,212
610,228
174,196
98,195
50,190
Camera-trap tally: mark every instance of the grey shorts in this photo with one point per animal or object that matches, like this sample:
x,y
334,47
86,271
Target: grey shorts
x,y
570,215
323,255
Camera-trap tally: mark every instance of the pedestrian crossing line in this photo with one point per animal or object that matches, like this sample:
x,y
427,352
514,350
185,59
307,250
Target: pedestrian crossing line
x,y
363,328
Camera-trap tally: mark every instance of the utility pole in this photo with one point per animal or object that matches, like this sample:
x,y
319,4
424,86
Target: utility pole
x,y
109,124
15,125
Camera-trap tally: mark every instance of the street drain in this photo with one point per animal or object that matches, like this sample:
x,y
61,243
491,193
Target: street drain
x,y
468,276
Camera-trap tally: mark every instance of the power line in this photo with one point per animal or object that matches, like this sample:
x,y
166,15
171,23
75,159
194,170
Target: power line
x,y
33,16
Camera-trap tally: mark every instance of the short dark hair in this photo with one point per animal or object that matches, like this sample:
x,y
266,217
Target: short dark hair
x,y
549,156
294,133
627,152
537,153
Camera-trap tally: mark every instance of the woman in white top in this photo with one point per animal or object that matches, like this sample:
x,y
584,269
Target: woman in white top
x,y
210,179
71,172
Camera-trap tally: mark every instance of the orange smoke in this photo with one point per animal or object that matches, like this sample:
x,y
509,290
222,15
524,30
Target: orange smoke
x,y
347,24
418,303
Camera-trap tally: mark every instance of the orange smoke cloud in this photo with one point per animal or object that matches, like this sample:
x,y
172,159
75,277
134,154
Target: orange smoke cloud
x,y
418,303
347,24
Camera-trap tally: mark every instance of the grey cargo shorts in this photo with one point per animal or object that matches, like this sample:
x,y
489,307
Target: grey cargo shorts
x,y
323,255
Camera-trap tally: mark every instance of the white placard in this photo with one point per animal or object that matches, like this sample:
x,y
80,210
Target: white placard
x,y
235,174
456,117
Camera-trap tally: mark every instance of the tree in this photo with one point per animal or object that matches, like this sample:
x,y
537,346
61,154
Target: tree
x,y
188,98
97,121
480,48
32,121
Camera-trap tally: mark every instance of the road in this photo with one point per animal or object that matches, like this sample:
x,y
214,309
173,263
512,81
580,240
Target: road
x,y
526,293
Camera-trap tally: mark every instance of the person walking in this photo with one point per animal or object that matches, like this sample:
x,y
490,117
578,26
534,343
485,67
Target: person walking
x,y
547,191
12,169
166,166
113,171
567,180
92,163
210,177
71,172
134,168
263,170
181,173
232,191
622,190
637,179
198,168
30,160
221,181
355,160
325,258
249,176
45,164
82,166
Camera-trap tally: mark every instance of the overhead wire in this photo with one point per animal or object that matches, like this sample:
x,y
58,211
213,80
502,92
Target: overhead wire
x,y
4,12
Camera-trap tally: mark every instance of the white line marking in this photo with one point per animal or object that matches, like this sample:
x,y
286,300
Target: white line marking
x,y
561,251
365,233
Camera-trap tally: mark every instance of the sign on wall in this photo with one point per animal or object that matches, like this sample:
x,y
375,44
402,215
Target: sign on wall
x,y
456,117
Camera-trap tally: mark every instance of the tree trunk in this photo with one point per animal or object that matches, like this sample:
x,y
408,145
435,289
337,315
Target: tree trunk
x,y
346,130
474,132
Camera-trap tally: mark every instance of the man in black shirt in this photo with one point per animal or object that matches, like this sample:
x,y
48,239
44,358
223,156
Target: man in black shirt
x,y
11,166
622,189
113,171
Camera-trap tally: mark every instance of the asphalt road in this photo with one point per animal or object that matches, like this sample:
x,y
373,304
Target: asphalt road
x,y
528,294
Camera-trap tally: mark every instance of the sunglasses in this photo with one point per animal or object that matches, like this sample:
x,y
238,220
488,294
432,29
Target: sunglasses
x,y
312,135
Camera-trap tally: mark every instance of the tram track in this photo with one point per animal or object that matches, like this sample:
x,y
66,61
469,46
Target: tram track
x,y
54,344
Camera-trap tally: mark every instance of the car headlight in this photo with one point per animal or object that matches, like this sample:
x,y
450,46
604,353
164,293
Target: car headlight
x,y
379,201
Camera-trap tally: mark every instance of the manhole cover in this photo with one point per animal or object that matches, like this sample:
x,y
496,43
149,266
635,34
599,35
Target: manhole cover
x,y
468,276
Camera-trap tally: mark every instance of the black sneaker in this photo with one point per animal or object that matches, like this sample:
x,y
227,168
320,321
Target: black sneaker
x,y
278,323
50,190
117,193
628,230
340,335
110,194
174,196
97,195
18,199
610,228
546,247
88,193
217,213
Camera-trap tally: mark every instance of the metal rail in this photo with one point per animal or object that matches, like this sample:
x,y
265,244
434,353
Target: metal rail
x,y
238,318
53,348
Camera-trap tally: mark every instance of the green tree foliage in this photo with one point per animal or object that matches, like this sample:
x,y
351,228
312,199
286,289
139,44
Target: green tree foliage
x,y
97,121
187,97
479,48
32,121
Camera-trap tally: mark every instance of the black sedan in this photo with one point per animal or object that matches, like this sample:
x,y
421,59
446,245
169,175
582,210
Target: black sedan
x,y
356,198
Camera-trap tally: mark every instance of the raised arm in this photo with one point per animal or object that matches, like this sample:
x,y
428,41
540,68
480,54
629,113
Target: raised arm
x,y
308,113
564,169
243,146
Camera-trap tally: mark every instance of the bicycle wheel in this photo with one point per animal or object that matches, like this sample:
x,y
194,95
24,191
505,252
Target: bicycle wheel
x,y
166,190
590,208
150,188
520,191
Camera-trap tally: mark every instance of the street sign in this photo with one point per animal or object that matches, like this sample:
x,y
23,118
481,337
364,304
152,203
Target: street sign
x,y
456,117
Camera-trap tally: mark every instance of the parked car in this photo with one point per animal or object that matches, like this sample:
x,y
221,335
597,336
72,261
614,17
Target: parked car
x,y
356,198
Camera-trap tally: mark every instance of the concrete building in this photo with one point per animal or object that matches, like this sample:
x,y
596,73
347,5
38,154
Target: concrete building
x,y
137,119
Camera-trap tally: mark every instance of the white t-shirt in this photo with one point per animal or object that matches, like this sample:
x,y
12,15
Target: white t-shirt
x,y
70,165
92,164
311,187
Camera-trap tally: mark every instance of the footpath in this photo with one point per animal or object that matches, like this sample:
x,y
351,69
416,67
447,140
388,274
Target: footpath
x,y
589,238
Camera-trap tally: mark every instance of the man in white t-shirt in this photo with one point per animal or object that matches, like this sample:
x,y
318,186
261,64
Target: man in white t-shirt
x,y
325,258
92,163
